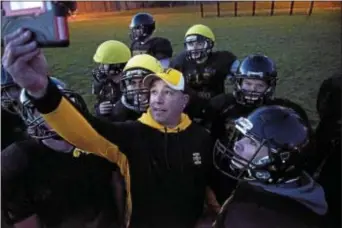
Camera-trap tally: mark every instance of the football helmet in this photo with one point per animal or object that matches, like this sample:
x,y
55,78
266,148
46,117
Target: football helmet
x,y
259,67
36,125
268,146
135,94
10,92
112,56
142,26
199,41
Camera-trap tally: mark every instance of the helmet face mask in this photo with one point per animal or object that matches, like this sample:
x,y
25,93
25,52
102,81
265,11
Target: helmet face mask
x,y
243,158
106,72
267,146
10,99
36,126
197,47
136,95
253,91
106,80
140,33
254,80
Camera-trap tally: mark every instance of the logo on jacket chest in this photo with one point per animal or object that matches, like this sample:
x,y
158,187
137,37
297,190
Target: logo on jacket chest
x,y
196,158
200,78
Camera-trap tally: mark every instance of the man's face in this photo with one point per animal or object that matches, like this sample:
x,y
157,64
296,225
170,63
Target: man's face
x,y
166,104
254,85
249,150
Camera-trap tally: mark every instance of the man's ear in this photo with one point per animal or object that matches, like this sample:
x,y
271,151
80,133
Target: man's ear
x,y
186,99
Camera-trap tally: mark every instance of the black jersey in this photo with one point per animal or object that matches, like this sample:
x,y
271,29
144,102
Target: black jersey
x,y
158,47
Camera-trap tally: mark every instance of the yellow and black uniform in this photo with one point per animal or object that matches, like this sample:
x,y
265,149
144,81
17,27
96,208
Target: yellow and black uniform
x,y
206,79
106,80
158,47
166,169
205,70
61,189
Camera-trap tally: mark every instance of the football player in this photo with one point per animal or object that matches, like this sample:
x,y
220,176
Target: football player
x,y
254,85
47,181
12,126
134,99
204,69
141,28
266,155
328,146
112,56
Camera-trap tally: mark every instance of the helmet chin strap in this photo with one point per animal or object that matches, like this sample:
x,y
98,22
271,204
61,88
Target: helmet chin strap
x,y
59,145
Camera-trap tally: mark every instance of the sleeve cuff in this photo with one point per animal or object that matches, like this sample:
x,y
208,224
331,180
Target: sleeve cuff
x,y
50,101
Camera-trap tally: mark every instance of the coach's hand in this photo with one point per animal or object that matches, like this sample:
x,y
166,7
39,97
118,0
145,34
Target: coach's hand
x,y
25,62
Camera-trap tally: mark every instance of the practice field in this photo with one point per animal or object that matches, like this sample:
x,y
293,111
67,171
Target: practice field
x,y
306,49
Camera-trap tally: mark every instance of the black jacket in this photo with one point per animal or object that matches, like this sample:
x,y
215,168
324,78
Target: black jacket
x,y
206,79
252,206
13,129
166,170
327,165
59,188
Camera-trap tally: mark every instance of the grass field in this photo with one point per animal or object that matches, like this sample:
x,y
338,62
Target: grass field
x,y
306,49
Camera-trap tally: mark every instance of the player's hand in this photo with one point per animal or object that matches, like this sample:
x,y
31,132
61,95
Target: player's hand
x,y
25,62
105,107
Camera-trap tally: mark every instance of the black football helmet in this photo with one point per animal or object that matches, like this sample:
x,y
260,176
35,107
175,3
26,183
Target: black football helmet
x,y
268,146
36,126
142,26
9,93
259,67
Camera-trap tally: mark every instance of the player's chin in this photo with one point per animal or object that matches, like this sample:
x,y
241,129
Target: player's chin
x,y
160,116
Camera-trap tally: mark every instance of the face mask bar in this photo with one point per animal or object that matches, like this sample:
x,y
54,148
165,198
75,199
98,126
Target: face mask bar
x,y
197,54
36,125
100,74
139,33
251,98
9,103
136,98
235,166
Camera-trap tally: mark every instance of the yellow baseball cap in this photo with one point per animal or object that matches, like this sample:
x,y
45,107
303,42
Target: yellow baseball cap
x,y
172,77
